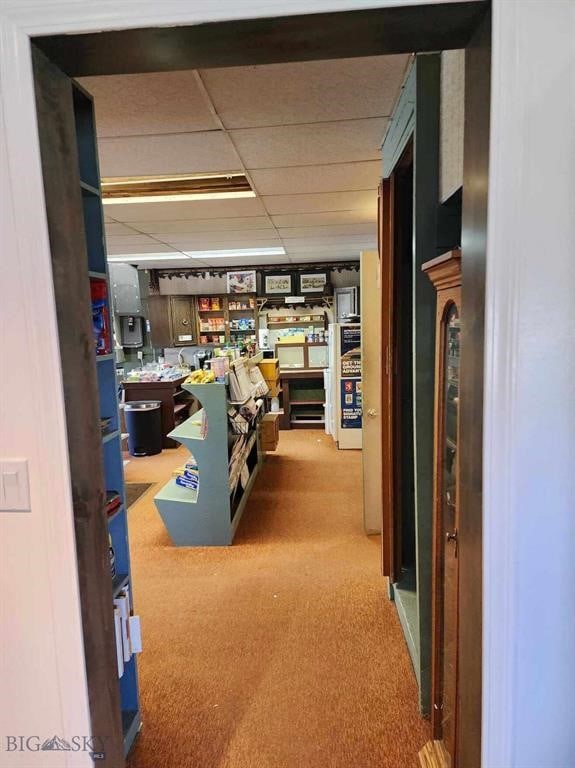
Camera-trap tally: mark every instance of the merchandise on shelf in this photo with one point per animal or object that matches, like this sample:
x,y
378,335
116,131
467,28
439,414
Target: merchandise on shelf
x,y
100,317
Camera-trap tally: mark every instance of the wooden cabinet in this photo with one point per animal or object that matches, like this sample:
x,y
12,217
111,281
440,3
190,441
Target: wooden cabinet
x,y
445,274
158,313
183,318
180,321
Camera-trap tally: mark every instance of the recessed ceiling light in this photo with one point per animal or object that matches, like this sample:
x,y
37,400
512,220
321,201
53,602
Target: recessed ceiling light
x,y
231,253
149,257
177,188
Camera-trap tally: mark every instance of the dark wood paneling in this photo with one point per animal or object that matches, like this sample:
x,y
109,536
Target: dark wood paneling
x,y
386,251
159,316
426,201
473,246
73,306
265,41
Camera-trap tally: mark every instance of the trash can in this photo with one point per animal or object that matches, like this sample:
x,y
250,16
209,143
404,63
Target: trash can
x,y
144,426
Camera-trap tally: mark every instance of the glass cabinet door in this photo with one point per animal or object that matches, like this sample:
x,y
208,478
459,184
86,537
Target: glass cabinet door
x,y
451,411
448,500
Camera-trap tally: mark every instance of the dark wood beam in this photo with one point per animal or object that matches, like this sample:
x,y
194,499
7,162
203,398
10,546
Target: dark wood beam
x,y
473,264
309,37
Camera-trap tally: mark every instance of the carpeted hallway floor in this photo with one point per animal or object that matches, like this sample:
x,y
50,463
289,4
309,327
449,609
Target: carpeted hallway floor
x,y
283,650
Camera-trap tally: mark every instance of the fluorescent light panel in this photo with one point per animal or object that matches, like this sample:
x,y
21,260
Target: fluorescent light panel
x,y
180,198
176,188
149,257
240,253
235,253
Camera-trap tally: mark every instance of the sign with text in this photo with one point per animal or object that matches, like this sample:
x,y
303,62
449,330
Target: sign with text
x,y
351,404
350,347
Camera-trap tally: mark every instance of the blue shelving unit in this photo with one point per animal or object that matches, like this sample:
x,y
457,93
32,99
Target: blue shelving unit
x,y
108,393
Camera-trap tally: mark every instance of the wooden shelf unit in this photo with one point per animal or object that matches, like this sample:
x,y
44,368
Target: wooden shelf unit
x,y
302,399
230,314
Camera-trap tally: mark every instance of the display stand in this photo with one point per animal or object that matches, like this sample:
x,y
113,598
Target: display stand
x,y
210,515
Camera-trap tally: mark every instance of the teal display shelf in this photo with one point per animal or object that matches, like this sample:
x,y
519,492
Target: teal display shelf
x,y
210,515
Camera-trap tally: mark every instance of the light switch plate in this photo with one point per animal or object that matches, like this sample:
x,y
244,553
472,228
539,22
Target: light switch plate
x,y
14,486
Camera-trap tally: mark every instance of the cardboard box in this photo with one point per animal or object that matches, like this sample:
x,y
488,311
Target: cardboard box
x,y
270,431
274,388
270,369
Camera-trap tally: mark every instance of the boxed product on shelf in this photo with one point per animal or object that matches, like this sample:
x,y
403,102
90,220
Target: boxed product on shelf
x,y
270,369
100,316
270,431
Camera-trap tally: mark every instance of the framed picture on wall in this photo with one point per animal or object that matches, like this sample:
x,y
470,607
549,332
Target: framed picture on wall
x,y
312,282
243,281
280,284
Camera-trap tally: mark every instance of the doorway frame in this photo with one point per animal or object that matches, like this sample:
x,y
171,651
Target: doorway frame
x,y
27,275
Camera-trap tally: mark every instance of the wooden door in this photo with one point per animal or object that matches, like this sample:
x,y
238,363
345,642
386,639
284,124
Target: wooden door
x,y
183,320
371,389
446,276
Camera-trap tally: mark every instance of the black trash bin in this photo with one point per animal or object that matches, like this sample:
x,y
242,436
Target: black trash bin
x,y
144,425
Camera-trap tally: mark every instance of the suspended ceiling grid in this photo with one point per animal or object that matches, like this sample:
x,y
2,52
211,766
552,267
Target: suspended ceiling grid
x,y
307,135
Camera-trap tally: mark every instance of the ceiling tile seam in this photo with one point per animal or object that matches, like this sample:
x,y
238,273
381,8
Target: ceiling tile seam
x,y
326,164
314,194
212,107
150,237
224,129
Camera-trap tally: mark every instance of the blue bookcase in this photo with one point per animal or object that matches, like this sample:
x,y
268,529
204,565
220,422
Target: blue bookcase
x,y
108,390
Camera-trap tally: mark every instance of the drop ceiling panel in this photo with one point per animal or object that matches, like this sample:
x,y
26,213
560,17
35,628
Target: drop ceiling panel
x,y
243,263
191,242
201,152
325,250
186,226
153,247
302,258
334,201
114,228
319,219
328,230
334,240
313,144
305,92
340,177
132,240
189,210
160,102
256,238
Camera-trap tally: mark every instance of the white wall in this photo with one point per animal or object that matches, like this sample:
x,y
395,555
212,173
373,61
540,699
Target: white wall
x,y
529,588
529,470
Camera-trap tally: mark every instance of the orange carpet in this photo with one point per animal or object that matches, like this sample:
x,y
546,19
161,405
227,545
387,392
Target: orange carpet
x,y
281,651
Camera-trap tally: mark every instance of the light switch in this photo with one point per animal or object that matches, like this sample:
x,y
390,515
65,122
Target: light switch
x,y
14,486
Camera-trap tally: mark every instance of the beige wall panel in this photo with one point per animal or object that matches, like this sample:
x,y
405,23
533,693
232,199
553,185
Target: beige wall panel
x,y
451,122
